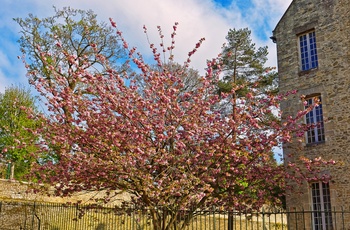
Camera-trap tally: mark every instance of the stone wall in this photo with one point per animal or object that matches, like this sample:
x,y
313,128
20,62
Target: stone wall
x,y
14,190
330,19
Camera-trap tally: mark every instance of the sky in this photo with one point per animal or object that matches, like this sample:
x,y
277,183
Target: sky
x,y
210,19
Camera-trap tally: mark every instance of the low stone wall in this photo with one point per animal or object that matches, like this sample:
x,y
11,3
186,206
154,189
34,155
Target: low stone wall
x,y
14,190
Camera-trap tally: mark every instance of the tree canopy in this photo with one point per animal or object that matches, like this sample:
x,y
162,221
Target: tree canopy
x,y
66,43
167,146
17,142
244,64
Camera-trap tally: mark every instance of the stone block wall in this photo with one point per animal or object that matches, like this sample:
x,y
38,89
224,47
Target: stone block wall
x,y
330,19
14,190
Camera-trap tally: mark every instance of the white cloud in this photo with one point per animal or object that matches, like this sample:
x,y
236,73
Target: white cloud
x,y
4,61
197,19
12,70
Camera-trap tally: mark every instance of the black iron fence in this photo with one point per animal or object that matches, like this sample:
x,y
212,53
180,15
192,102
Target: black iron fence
x,y
43,216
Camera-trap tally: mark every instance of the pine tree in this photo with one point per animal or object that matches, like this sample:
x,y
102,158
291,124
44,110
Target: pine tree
x,y
244,65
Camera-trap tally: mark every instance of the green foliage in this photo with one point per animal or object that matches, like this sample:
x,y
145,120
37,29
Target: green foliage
x,y
72,38
16,140
243,68
243,64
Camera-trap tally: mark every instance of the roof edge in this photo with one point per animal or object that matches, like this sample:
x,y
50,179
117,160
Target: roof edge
x,y
283,16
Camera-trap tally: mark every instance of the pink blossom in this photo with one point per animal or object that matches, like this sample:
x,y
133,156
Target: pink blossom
x,y
114,24
158,140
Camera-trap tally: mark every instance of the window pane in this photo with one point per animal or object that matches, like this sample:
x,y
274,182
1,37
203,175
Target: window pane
x,y
321,203
308,51
314,118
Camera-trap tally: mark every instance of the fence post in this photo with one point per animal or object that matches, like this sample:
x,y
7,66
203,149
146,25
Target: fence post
x,y
303,217
335,217
8,171
214,219
33,215
263,218
39,221
230,220
296,218
342,215
288,219
76,215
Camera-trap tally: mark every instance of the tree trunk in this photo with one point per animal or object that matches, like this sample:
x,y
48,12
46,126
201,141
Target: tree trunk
x,y
12,174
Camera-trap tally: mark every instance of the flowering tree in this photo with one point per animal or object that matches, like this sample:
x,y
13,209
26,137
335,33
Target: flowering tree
x,y
167,146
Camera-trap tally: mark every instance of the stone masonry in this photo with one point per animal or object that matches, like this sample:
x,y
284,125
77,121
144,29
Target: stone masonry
x,y
330,19
11,190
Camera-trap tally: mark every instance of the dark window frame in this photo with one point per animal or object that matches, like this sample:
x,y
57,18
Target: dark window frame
x,y
316,132
308,51
321,206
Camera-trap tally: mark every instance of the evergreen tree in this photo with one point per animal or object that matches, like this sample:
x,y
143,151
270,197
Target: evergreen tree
x,y
244,65
244,75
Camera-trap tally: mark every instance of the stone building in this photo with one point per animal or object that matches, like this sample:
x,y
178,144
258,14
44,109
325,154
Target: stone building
x,y
313,50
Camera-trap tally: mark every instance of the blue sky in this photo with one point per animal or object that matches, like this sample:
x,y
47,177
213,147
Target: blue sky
x,y
197,18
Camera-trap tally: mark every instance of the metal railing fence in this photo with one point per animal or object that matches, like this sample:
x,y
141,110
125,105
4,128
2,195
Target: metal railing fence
x,y
49,216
